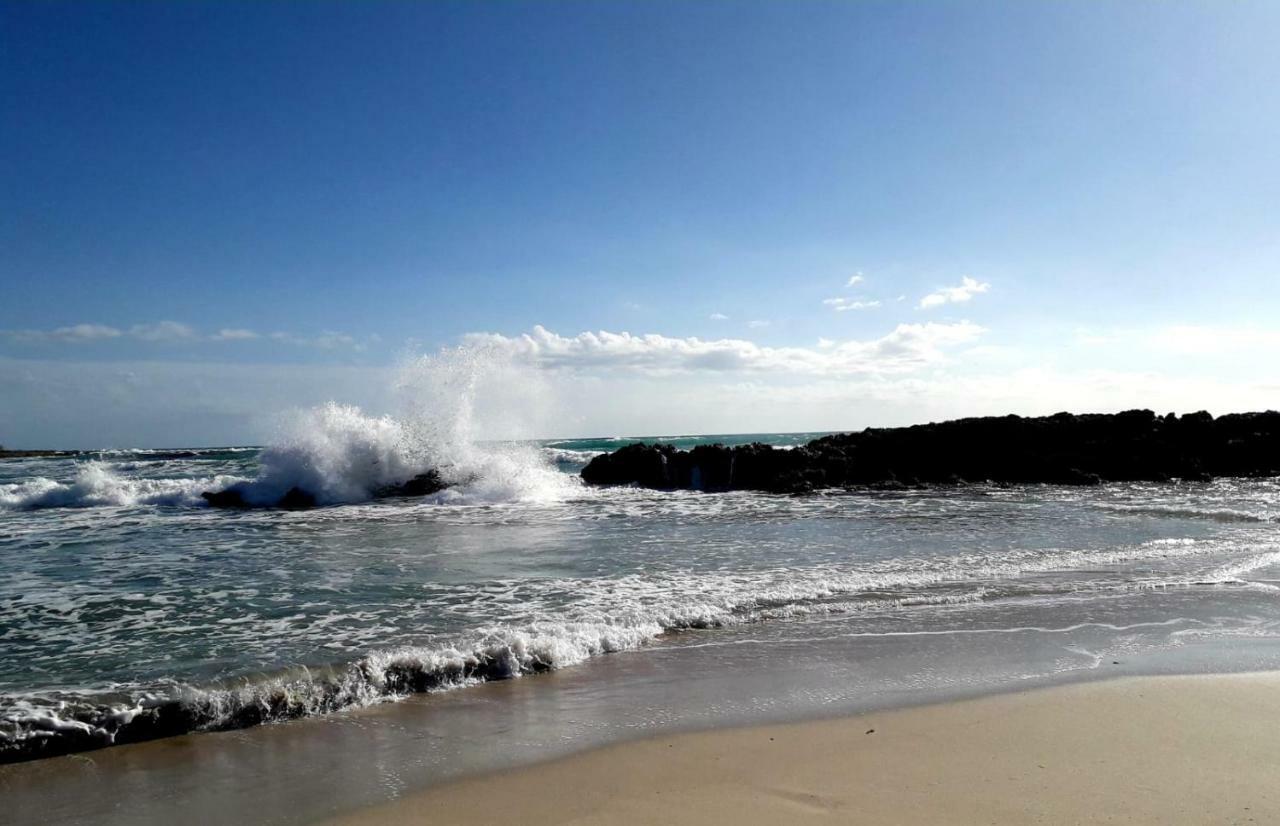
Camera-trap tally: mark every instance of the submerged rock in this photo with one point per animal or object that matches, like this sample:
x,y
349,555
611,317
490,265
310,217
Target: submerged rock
x,y
297,498
1065,449
229,498
424,484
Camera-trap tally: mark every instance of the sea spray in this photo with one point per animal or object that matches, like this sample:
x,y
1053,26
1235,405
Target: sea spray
x,y
338,454
452,407
471,410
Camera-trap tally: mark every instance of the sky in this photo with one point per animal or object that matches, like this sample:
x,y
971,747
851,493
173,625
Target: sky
x,y
706,217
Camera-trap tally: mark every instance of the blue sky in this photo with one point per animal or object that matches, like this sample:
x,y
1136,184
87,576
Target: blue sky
x,y
216,212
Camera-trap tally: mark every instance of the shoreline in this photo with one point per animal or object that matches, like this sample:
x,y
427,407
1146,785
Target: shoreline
x,y
1169,749
440,753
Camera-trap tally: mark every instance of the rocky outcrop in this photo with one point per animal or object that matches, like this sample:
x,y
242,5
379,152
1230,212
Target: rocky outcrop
x,y
296,498
1061,449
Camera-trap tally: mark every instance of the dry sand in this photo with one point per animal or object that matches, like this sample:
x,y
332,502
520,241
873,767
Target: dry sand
x,y
1145,750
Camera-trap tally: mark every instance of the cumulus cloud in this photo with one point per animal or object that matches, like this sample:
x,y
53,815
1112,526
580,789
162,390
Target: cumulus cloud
x,y
968,288
718,317
855,280
602,382
841,305
906,348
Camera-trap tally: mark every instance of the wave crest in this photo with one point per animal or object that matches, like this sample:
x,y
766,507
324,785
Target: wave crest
x,y
97,485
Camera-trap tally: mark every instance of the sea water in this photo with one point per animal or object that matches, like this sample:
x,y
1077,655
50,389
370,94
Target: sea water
x,y
120,590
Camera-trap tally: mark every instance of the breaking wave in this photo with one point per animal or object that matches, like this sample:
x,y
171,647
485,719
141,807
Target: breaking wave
x,y
616,614
339,454
96,484
1214,514
33,727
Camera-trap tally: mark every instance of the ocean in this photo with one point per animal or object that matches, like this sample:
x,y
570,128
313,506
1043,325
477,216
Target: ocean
x,y
130,609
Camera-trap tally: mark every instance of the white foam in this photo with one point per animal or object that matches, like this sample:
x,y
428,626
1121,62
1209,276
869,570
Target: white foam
x,y
1236,570
97,485
568,456
339,454
606,615
1188,511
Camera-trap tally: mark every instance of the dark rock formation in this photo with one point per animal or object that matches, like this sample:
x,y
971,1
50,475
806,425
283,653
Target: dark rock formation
x,y
1136,445
229,498
296,498
424,484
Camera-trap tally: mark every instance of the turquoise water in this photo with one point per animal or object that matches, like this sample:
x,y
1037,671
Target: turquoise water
x,y
124,599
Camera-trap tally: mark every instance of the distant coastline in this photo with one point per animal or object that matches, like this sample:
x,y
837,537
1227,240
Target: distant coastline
x,y
36,454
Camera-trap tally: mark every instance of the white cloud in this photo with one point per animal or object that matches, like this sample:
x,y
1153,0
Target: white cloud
x,y
855,280
906,348
234,334
729,402
841,305
85,332
718,317
758,324
163,331
968,288
73,334
173,332
620,383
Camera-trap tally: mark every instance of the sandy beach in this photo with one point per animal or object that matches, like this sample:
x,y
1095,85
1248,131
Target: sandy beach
x,y
1201,749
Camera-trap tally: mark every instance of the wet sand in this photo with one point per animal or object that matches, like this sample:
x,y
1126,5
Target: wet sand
x,y
1198,749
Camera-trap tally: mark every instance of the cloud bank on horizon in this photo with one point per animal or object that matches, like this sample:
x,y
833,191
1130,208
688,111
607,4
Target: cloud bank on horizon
x,y
606,382
907,348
